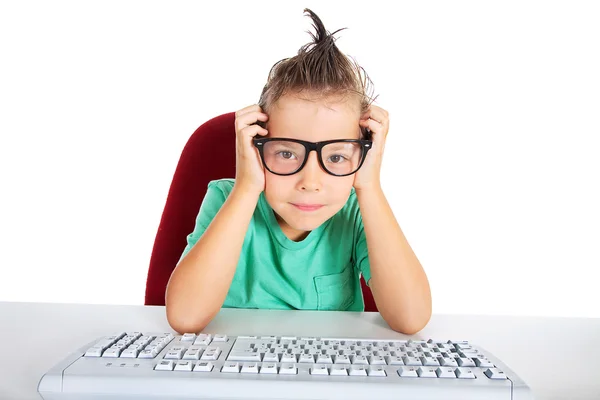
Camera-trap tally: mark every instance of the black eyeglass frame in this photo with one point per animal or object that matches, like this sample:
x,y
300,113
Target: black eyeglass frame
x,y
366,145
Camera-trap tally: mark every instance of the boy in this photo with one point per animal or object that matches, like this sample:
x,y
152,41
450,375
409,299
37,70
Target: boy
x,y
297,227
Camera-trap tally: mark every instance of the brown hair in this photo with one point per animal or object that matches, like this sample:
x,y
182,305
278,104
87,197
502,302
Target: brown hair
x,y
320,70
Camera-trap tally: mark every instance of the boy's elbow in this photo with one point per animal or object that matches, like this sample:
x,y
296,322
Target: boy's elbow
x,y
185,324
406,330
409,326
182,321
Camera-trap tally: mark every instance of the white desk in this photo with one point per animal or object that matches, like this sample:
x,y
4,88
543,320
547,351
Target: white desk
x,y
35,336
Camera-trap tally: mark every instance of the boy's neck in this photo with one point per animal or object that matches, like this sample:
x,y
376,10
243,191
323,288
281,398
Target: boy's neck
x,y
291,233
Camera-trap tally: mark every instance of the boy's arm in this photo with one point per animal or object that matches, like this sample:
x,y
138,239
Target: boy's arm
x,y
199,284
398,282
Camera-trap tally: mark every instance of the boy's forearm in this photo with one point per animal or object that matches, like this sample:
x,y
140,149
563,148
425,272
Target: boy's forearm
x,y
199,284
399,283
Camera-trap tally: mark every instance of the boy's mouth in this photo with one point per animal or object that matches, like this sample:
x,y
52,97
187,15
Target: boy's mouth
x,y
307,207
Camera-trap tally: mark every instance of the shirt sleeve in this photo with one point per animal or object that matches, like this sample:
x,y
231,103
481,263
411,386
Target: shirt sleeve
x,y
361,252
211,204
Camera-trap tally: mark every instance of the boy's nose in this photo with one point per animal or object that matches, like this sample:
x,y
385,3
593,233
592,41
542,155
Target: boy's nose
x,y
310,175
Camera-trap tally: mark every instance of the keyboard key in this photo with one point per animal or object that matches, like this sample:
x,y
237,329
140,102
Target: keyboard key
x,y
484,363
94,352
464,373
465,362
362,360
268,368
203,339
112,352
448,361
210,355
220,338
165,365
376,371
324,359
250,368
271,357
204,366
318,369
426,372
278,349
193,353
341,359
306,358
407,372
289,358
183,366
144,339
445,372
494,373
155,347
377,360
130,353
188,337
174,354
245,356
104,343
358,370
165,339
412,361
148,354
116,337
391,360
339,370
288,369
429,361
231,367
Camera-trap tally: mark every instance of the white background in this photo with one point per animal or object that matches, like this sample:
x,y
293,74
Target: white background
x,y
491,165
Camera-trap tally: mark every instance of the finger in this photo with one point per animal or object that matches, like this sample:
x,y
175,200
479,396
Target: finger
x,y
245,110
376,113
374,126
250,118
253,130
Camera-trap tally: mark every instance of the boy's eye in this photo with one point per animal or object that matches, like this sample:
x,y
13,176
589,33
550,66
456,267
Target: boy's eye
x,y
337,158
286,154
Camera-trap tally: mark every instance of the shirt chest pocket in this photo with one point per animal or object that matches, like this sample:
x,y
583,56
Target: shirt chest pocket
x,y
334,291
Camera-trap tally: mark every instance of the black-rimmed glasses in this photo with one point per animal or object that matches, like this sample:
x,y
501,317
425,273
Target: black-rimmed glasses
x,y
288,156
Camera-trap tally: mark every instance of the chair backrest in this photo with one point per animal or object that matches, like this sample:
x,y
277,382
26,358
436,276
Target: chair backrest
x,y
209,154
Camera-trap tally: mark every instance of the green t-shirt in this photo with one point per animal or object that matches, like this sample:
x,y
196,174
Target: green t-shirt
x,y
321,272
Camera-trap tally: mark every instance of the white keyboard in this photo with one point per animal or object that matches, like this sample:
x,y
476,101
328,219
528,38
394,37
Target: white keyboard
x,y
138,365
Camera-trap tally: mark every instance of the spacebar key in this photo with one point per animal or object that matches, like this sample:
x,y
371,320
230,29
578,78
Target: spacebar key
x,y
243,357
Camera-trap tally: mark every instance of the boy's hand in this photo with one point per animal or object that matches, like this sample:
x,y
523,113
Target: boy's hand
x,y
376,119
250,173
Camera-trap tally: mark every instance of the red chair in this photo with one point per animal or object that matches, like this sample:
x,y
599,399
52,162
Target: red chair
x,y
200,162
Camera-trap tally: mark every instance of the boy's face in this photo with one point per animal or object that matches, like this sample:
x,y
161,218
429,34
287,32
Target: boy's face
x,y
314,121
